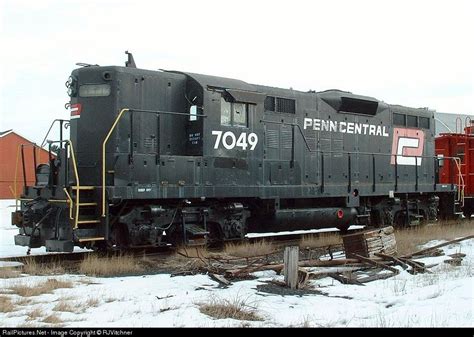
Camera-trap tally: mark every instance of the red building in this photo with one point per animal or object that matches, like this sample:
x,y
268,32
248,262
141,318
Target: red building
x,y
11,162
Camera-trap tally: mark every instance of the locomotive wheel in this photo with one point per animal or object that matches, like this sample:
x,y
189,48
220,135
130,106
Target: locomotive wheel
x,y
215,237
119,238
400,219
432,213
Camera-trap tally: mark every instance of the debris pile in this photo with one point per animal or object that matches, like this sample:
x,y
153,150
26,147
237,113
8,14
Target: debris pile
x,y
363,263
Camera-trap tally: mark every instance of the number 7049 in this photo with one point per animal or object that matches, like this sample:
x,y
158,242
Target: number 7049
x,y
229,140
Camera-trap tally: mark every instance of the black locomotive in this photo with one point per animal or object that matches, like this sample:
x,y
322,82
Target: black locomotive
x,y
164,157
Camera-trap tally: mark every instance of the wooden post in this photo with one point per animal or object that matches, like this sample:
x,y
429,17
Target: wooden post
x,y
290,262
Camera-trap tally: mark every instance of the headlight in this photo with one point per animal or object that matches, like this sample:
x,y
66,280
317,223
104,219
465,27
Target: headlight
x,y
71,84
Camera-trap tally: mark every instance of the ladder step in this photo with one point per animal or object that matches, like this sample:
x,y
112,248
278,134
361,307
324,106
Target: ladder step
x,y
83,222
87,204
99,238
83,188
196,230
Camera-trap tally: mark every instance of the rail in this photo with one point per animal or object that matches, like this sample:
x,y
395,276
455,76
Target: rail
x,y
112,128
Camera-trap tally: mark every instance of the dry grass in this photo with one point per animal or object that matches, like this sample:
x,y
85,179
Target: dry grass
x,y
34,314
52,319
9,273
24,301
408,240
92,302
28,290
113,266
236,308
32,267
321,240
194,252
64,306
246,249
186,259
6,304
28,324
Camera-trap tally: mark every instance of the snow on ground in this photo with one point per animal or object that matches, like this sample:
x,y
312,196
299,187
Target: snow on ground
x,y
300,232
444,298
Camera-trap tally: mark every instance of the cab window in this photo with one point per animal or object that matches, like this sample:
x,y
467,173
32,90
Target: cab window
x,y
225,112
235,113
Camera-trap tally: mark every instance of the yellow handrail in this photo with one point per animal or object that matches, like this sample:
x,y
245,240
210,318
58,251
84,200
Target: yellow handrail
x,y
461,185
71,203
103,156
76,174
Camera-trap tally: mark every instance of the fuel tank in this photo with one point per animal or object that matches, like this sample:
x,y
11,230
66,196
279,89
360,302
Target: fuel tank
x,y
301,219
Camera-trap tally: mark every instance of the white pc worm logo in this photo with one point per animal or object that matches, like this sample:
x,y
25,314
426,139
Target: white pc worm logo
x,y
407,147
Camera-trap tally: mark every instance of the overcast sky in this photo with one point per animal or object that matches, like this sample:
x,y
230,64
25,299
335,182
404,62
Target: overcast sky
x,y
414,53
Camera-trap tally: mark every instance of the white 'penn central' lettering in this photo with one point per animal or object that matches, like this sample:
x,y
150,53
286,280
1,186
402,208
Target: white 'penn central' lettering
x,y
345,127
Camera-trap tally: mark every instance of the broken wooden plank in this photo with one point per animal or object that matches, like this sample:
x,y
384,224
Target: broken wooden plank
x,y
392,258
236,272
376,263
376,277
431,253
415,265
457,255
318,274
303,277
344,279
454,261
439,246
290,266
221,279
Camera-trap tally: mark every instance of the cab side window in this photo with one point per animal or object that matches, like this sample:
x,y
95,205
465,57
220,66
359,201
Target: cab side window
x,y
240,114
226,112
235,113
